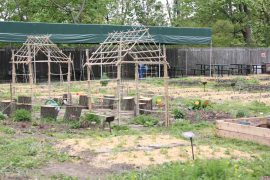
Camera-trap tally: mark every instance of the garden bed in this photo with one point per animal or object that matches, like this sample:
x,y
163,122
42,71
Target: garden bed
x,y
248,129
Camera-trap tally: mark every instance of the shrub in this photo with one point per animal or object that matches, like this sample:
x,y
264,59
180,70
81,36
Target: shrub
x,y
92,118
199,104
2,116
145,120
178,114
22,115
104,80
241,113
89,119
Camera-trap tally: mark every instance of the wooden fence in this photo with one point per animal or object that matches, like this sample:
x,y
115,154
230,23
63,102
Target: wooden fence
x,y
185,58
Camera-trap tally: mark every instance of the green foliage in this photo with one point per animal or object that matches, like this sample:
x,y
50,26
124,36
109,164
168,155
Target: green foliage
x,y
7,130
200,104
205,169
233,107
23,153
92,118
120,128
145,120
104,80
2,116
62,177
178,114
241,113
22,115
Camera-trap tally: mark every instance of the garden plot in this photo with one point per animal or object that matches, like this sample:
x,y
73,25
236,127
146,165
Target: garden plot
x,y
140,151
248,129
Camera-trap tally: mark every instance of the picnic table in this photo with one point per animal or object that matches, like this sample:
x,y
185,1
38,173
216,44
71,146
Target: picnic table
x,y
176,72
241,68
256,67
220,69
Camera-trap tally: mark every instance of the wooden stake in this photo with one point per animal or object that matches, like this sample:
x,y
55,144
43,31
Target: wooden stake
x,y
166,77
137,88
30,67
89,81
13,77
119,81
68,79
49,73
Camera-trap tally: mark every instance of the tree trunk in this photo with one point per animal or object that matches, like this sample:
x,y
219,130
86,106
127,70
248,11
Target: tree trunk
x,y
24,99
73,113
27,107
7,107
145,104
83,101
128,104
48,112
108,101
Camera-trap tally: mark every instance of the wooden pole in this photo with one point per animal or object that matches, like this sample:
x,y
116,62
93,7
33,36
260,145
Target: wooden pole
x,y
49,73
89,80
119,92
137,87
119,80
13,77
211,56
69,80
30,67
166,93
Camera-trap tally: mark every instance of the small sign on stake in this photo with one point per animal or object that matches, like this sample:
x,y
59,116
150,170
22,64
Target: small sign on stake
x,y
189,135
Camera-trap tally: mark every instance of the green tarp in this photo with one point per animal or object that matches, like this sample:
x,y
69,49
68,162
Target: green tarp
x,y
93,33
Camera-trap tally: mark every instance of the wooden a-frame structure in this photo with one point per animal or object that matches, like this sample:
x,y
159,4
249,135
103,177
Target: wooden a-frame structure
x,y
141,46
27,55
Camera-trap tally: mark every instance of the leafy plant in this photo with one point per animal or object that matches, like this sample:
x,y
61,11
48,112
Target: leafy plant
x,y
22,115
145,120
2,116
178,114
199,104
104,80
92,118
89,119
241,113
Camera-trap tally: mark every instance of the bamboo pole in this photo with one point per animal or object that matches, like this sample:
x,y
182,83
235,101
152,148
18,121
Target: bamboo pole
x,y
137,88
89,80
49,73
13,89
166,93
69,80
119,80
30,67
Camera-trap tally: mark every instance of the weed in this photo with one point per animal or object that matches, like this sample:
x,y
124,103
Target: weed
x,y
22,115
241,113
62,177
205,169
145,120
178,114
2,116
104,80
91,118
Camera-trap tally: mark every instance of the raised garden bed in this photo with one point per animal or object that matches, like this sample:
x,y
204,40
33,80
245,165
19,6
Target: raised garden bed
x,y
248,129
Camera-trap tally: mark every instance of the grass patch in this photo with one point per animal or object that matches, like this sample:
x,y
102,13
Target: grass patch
x,y
205,169
238,109
25,153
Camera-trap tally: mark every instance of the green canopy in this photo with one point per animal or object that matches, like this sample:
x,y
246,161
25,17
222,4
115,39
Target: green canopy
x,y
96,33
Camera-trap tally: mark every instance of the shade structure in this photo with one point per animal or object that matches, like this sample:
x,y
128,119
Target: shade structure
x,y
97,33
